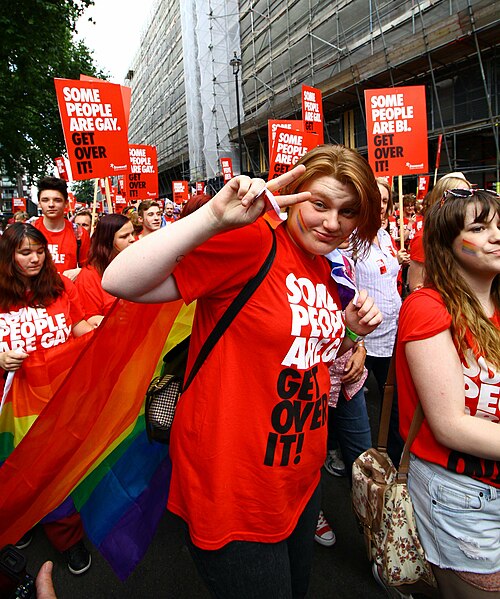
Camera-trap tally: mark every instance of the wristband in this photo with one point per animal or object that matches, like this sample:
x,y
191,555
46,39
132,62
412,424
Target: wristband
x,y
352,335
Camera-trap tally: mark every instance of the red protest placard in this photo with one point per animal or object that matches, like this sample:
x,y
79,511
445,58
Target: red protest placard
x,y
312,111
180,191
125,91
142,178
422,187
227,169
273,124
200,188
18,204
94,125
396,121
61,168
289,146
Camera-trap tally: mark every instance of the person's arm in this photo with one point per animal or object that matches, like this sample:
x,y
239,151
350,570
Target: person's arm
x,y
438,377
416,275
354,367
81,328
361,318
141,273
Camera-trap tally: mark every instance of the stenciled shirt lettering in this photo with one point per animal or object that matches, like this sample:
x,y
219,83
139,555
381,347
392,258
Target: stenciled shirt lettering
x,y
28,329
317,330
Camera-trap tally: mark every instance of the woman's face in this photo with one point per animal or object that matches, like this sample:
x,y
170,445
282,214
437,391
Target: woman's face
x,y
384,194
477,247
29,257
123,237
321,224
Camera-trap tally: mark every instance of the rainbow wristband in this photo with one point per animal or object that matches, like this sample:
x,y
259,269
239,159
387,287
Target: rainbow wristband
x,y
352,335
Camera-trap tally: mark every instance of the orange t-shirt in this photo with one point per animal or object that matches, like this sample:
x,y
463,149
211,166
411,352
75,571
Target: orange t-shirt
x,y
63,246
424,315
95,301
249,436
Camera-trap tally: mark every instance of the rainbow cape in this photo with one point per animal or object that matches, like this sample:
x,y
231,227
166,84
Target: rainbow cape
x,y
89,440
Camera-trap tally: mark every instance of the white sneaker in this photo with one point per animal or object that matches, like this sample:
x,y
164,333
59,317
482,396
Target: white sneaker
x,y
334,464
324,533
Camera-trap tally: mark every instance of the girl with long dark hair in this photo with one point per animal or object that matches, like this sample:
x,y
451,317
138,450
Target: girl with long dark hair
x,y
114,232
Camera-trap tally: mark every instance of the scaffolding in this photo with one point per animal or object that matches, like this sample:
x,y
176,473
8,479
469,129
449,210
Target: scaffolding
x,y
184,92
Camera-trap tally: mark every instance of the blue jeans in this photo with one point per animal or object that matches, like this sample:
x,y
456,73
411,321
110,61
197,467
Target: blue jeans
x,y
348,425
249,570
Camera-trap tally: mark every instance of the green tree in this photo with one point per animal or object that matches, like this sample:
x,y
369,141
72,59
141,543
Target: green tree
x,y
83,190
36,45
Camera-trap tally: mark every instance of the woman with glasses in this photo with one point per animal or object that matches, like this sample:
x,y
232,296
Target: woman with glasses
x,y
448,359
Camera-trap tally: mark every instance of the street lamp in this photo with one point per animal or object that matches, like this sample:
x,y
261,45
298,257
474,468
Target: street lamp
x,y
235,63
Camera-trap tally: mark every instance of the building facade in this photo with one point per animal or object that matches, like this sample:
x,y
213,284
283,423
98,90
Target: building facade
x,y
342,47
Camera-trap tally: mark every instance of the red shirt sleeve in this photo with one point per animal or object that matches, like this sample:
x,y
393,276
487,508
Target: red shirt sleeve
x,y
75,306
224,263
417,247
422,315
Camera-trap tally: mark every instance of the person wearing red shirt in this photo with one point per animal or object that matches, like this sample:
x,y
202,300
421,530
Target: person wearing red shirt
x,y
448,359
149,214
114,232
68,244
39,310
249,436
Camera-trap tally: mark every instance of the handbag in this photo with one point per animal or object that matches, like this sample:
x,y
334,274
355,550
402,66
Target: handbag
x,y
165,390
384,510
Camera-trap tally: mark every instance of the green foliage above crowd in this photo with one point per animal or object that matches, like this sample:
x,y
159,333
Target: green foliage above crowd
x,y
36,44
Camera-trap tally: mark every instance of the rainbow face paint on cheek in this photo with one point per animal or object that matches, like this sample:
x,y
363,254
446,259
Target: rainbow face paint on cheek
x,y
469,248
300,221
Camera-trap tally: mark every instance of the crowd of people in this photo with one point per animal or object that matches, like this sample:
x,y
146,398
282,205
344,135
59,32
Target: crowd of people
x,y
248,445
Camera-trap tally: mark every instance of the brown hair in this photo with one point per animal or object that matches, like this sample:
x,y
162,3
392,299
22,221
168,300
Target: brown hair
x,y
146,205
44,288
349,168
443,224
390,204
449,181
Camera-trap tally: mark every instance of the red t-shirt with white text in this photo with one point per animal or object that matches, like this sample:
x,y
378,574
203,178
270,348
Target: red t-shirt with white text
x,y
30,329
63,246
424,315
249,436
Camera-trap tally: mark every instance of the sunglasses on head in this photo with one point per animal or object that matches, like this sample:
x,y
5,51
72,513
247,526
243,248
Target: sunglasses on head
x,y
463,193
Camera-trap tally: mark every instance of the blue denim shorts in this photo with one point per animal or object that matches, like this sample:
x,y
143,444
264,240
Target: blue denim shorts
x,y
458,518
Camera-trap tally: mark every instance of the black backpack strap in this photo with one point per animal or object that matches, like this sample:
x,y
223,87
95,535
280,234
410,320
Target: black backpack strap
x,y
232,310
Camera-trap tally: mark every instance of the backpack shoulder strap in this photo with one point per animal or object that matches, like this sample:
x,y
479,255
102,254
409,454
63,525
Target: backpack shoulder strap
x,y
232,310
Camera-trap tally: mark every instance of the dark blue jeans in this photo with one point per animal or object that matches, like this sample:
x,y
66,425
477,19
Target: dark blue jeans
x,y
349,428
248,570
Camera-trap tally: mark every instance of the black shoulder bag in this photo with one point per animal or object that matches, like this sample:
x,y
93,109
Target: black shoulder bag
x,y
164,391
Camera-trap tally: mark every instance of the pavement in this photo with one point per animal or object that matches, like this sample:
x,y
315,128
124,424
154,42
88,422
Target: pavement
x,y
167,571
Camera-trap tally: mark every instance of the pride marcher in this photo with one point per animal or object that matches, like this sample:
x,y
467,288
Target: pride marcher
x,y
39,311
68,244
114,232
249,437
448,357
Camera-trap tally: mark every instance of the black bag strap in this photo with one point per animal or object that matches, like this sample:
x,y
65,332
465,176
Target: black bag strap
x,y
232,310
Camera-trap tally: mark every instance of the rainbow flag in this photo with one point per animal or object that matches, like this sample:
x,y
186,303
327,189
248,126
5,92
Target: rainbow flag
x,y
89,439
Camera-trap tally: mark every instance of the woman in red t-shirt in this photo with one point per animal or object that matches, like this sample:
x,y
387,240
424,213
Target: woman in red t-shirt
x,y
249,436
114,232
39,310
448,358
